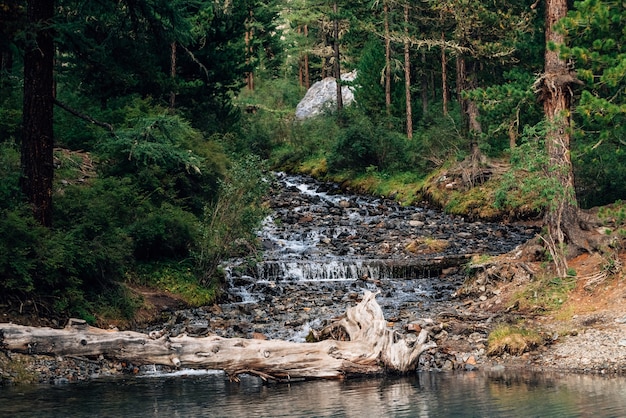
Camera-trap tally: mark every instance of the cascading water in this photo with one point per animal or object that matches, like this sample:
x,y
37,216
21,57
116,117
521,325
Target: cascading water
x,y
322,248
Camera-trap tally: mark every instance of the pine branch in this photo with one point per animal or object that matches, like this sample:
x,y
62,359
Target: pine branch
x,y
84,116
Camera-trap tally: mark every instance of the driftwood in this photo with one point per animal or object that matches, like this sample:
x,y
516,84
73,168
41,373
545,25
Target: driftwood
x,y
368,346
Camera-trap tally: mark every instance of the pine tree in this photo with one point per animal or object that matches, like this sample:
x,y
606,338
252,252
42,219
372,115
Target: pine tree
x,y
37,139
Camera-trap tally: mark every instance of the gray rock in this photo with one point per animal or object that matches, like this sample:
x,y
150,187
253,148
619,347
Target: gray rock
x,y
323,95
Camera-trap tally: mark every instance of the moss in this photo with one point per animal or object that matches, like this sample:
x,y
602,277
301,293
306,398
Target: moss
x,y
15,369
512,340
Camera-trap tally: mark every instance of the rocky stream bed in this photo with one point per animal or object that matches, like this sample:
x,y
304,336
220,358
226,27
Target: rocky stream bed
x,y
323,248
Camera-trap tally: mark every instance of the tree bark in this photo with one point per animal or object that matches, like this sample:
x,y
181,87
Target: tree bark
x,y
173,56
37,141
307,81
300,65
337,65
424,86
248,37
466,80
561,218
444,75
407,75
387,60
367,347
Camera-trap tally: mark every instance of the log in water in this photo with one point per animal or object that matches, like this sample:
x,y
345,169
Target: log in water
x,y
367,347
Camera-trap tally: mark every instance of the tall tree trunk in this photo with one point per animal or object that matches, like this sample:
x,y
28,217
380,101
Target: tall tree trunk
x,y
303,64
300,65
466,80
444,75
37,141
407,75
424,86
387,60
249,49
307,81
173,74
337,66
562,218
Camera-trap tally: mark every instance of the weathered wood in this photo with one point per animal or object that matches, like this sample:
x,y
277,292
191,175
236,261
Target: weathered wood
x,y
369,348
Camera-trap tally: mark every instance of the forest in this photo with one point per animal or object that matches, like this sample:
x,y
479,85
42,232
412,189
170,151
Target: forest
x,y
138,137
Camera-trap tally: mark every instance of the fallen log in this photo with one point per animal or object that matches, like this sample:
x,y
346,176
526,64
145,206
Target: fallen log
x,y
368,346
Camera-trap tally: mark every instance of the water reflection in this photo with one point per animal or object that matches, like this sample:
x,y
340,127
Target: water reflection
x,y
470,394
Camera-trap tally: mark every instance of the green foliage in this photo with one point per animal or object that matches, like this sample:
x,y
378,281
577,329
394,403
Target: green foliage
x,y
228,227
19,250
10,109
153,140
505,109
362,144
595,40
370,92
165,232
10,174
176,278
437,139
528,183
266,121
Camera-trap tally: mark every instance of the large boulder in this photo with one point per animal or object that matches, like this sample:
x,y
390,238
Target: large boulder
x,y
323,95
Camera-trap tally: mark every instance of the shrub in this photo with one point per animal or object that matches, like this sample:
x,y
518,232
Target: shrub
x,y
229,226
163,233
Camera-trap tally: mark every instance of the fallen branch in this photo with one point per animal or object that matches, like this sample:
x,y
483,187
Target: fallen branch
x,y
369,348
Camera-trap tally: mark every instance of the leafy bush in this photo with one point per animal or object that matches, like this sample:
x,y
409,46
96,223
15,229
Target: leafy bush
x,y
165,232
10,175
362,144
527,183
229,226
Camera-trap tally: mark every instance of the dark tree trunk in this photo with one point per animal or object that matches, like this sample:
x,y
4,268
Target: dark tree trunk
x,y
407,75
249,35
387,60
173,74
466,80
562,217
37,141
307,82
337,65
424,87
300,65
444,75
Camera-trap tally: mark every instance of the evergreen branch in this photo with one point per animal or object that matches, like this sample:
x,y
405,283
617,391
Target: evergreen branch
x,y
85,117
194,59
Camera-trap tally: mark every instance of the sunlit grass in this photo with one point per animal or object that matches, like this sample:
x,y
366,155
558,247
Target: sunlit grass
x,y
545,294
512,340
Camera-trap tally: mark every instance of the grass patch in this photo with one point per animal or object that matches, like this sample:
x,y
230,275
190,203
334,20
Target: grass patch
x,y
427,245
545,294
512,340
178,280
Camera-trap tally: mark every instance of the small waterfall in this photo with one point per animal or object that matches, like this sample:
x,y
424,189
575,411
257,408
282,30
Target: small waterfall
x,y
322,249
343,270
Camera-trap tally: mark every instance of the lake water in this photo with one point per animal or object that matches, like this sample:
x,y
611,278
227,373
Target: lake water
x,y
466,394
